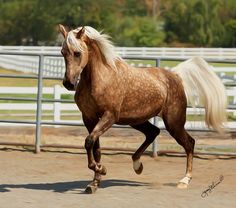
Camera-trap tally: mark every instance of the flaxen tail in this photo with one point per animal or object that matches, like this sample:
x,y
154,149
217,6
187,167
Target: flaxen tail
x,y
203,87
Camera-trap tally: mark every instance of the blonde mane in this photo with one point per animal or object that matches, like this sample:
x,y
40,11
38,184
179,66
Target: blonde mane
x,y
103,41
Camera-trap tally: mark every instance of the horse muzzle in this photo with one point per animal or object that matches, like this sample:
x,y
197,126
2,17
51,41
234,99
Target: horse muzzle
x,y
68,85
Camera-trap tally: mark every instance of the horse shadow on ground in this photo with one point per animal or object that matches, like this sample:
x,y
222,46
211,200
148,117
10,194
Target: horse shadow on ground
x,y
170,184
62,187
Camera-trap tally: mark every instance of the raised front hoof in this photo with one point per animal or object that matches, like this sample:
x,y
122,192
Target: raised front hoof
x,y
90,189
139,170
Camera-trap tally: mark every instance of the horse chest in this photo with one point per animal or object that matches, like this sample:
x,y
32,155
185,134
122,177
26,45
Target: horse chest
x,y
87,104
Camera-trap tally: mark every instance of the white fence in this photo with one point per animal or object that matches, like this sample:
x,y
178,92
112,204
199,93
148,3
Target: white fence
x,y
209,53
55,107
58,108
54,66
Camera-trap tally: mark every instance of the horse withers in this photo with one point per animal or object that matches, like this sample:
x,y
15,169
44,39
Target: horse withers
x,y
109,91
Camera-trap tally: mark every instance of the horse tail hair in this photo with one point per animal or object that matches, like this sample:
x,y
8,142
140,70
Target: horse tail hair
x,y
203,87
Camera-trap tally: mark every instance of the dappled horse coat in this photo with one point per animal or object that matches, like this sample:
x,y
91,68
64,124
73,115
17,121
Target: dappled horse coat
x,y
109,91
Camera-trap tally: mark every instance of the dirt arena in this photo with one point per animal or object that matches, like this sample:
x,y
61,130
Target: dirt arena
x,y
55,178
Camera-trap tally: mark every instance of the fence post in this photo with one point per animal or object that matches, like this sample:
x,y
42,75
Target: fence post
x,y
39,104
234,103
154,144
57,105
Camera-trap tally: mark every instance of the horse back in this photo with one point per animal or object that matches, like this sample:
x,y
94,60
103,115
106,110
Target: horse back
x,y
147,92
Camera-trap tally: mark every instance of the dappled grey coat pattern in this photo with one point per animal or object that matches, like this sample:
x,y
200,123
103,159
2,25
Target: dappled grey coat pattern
x,y
109,91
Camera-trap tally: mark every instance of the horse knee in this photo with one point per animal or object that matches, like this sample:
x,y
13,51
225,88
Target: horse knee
x,y
89,142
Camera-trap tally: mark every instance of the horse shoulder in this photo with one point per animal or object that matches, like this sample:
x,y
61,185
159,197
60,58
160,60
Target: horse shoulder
x,y
106,92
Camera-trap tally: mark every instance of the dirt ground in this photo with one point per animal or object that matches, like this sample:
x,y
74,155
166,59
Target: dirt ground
x,y
57,179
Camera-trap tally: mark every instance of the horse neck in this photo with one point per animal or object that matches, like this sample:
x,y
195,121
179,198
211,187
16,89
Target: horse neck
x,y
97,67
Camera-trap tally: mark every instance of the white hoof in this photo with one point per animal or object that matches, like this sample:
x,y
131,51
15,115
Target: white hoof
x,y
138,167
183,183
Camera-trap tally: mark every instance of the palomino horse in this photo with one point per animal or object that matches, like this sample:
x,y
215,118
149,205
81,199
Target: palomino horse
x,y
109,91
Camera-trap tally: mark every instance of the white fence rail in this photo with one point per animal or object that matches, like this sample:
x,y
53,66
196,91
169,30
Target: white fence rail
x,y
55,107
210,53
54,66
58,108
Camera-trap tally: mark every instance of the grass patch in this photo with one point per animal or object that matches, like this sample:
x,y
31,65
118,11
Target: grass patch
x,y
231,117
174,63
198,148
29,115
33,96
67,97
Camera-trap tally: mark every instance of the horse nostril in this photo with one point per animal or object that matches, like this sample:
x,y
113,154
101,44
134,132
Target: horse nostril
x,y
64,82
67,84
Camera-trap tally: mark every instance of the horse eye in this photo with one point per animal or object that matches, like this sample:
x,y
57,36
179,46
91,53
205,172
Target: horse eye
x,y
77,54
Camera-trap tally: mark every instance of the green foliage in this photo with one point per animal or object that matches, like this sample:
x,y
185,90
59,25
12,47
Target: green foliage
x,y
139,31
129,22
228,17
196,22
230,35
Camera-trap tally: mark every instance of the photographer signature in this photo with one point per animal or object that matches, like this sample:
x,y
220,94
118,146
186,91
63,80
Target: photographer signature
x,y
212,186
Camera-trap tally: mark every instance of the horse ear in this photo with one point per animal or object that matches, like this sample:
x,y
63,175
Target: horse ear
x,y
63,31
80,33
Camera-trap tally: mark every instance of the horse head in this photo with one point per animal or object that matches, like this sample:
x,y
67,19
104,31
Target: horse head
x,y
75,53
83,45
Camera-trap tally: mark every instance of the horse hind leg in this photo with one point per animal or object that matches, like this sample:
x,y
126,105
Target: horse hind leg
x,y
187,142
151,132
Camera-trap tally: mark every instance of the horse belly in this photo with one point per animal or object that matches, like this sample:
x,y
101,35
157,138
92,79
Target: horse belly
x,y
142,104
136,117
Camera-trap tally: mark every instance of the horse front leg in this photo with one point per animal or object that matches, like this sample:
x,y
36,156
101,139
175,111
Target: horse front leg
x,y
92,147
90,125
98,172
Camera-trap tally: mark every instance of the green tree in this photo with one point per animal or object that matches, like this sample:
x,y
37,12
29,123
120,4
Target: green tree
x,y
195,21
14,21
129,22
228,19
230,35
27,22
138,31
